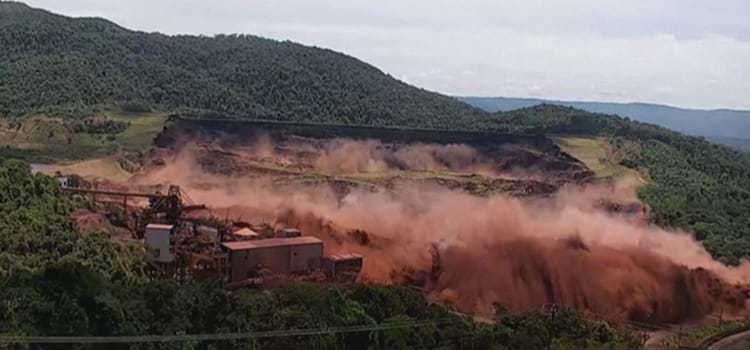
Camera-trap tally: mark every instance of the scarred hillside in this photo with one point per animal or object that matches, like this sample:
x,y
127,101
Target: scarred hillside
x,y
692,184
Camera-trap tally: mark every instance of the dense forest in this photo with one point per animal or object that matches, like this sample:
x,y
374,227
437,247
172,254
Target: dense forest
x,y
57,281
53,63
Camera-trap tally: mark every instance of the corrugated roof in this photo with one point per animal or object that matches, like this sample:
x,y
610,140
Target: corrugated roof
x,y
270,243
159,227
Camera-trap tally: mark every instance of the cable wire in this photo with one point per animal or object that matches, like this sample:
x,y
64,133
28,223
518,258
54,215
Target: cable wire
x,y
209,337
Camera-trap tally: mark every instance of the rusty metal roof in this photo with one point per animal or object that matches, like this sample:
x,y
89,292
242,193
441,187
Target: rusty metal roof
x,y
271,243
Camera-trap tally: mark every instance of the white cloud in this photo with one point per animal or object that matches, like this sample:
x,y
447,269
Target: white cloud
x,y
690,53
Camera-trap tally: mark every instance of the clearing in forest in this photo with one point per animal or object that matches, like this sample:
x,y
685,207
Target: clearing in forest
x,y
595,152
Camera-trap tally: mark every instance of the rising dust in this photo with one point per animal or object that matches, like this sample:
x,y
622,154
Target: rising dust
x,y
492,250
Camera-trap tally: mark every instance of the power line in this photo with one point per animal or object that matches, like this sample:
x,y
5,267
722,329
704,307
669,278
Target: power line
x,y
214,337
245,335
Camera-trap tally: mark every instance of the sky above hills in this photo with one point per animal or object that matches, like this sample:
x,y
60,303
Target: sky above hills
x,y
689,53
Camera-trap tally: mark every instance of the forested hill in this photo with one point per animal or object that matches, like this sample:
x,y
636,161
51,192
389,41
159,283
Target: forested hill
x,y
51,62
731,127
692,184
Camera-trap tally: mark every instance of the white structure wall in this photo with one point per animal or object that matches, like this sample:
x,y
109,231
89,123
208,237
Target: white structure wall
x,y
159,242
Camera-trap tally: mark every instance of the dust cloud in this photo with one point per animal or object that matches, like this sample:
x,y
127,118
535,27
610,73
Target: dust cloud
x,y
348,156
474,252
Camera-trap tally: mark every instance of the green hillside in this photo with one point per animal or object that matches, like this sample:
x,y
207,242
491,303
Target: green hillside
x,y
55,63
726,126
595,152
63,67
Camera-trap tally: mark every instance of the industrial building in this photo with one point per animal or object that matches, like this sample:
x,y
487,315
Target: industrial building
x,y
343,267
278,255
182,244
159,245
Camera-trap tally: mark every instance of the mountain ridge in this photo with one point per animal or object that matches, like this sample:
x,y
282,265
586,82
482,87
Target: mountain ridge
x,y
79,62
697,122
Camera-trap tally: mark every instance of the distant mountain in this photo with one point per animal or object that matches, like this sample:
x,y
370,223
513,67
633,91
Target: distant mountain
x,y
721,125
61,65
55,63
740,144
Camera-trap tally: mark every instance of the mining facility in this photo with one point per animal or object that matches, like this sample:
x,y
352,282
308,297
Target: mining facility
x,y
183,243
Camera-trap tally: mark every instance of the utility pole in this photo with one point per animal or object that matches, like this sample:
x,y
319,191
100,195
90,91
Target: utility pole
x,y
552,329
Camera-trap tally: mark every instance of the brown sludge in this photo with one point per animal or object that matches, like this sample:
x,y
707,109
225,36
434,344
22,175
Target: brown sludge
x,y
474,252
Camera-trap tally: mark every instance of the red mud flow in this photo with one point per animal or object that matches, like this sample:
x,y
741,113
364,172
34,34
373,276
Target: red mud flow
x,y
523,260
474,252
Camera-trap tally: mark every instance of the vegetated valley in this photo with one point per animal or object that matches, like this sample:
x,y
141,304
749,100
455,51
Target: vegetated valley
x,y
541,227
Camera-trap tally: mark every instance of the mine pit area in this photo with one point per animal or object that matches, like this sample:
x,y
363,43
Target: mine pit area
x,y
475,162
473,220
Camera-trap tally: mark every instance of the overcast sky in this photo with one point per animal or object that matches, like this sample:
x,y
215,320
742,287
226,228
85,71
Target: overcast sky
x,y
690,53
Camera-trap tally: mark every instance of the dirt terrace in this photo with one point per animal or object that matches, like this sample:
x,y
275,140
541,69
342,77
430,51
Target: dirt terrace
x,y
344,156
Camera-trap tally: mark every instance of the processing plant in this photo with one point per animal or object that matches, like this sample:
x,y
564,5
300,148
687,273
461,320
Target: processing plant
x,y
184,246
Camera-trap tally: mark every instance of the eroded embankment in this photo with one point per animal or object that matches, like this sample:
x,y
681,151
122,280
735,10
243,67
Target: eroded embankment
x,y
479,163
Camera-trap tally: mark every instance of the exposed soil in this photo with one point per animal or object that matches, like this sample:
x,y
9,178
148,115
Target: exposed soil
x,y
89,222
345,157
436,210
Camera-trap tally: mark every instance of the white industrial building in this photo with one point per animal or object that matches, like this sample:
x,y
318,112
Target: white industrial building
x,y
159,245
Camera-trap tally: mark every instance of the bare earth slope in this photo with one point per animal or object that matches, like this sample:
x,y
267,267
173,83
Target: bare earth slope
x,y
479,163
